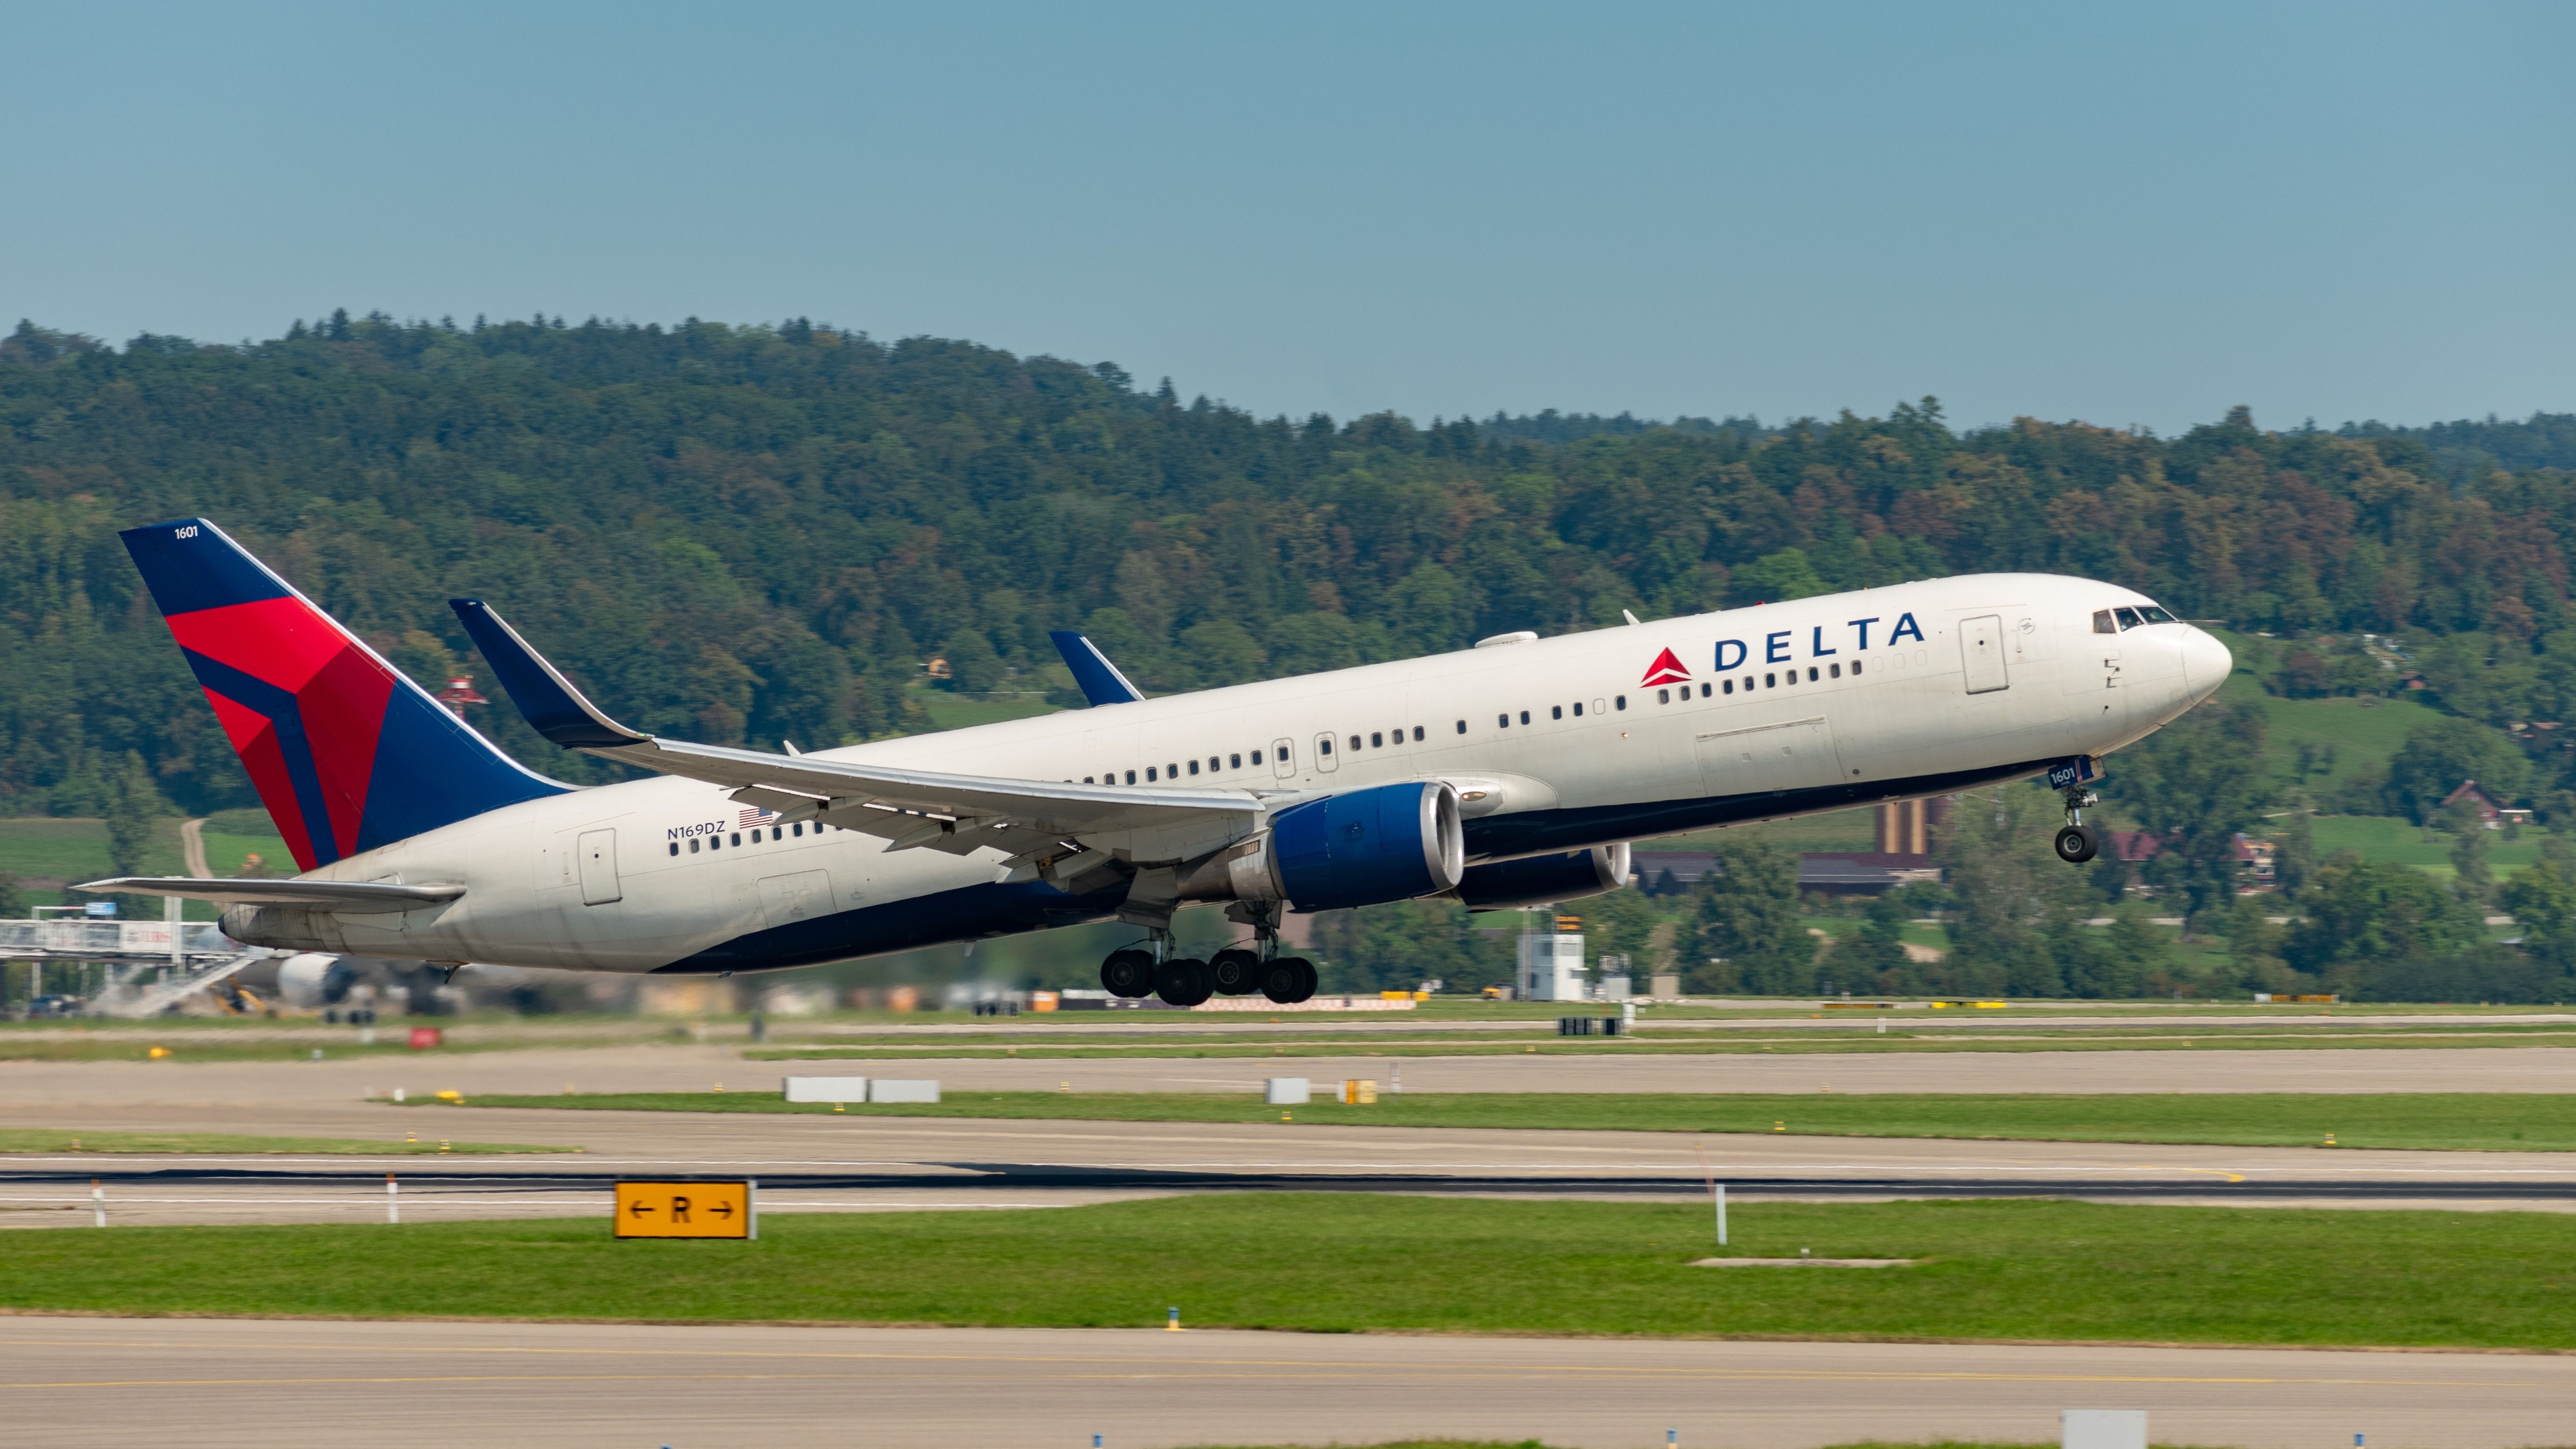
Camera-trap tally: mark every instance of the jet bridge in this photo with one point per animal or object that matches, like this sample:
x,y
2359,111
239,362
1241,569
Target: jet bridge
x,y
151,964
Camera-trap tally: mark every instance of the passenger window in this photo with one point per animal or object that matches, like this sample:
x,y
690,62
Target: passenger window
x,y
1211,764
1811,674
1621,702
1462,726
1524,716
1834,671
1855,668
1256,757
1578,709
1706,689
2102,622
1324,744
1171,772
1501,722
1556,711
1086,779
1417,734
675,847
737,837
693,845
1730,686
1131,777
1770,681
800,827
2129,619
1355,742
1194,767
1149,774
1662,696
1376,741
1238,759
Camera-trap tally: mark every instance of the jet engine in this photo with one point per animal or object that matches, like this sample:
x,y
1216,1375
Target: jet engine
x,y
1542,880
311,981
1363,848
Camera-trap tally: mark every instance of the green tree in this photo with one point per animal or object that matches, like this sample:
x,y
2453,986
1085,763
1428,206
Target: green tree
x,y
1751,936
1775,577
2372,913
2195,784
2441,755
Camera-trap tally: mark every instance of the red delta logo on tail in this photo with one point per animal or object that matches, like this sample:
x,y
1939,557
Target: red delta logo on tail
x,y
1666,670
345,752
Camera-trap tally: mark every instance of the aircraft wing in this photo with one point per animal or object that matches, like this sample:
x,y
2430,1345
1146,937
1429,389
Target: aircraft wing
x,y
1023,816
346,897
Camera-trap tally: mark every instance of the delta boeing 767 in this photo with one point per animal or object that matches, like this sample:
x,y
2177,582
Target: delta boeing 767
x,y
1512,773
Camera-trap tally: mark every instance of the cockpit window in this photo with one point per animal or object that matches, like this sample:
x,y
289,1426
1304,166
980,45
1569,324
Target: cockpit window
x,y
2156,615
2129,619
2102,622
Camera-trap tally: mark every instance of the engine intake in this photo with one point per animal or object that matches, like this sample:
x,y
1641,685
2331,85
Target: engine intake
x,y
1364,848
1542,880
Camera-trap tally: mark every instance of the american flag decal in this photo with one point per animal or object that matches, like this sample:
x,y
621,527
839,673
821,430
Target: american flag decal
x,y
750,818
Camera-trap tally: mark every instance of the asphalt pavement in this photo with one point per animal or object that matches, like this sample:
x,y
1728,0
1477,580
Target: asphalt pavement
x,y
280,1384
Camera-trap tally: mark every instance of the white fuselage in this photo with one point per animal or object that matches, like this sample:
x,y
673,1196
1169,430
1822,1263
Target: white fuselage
x,y
1553,744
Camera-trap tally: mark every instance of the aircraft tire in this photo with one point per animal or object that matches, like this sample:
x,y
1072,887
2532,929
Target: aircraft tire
x,y
1185,981
1235,972
2077,844
1128,974
1307,980
1281,981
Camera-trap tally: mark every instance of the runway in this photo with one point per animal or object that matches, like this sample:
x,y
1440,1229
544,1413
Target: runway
x,y
113,1382
828,1163
41,1093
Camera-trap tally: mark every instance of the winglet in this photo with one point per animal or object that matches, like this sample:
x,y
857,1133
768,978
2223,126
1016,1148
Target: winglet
x,y
556,709
1099,680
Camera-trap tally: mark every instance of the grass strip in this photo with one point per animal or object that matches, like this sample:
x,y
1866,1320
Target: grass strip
x,y
2434,1121
214,1144
1355,1262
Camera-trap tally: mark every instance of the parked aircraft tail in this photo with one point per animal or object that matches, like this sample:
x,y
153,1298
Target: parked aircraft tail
x,y
347,753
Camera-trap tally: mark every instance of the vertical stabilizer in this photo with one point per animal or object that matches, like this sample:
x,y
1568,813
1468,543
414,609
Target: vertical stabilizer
x,y
347,754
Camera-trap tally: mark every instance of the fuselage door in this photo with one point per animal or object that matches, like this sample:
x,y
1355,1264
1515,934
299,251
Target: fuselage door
x,y
1981,651
1327,759
1283,760
599,867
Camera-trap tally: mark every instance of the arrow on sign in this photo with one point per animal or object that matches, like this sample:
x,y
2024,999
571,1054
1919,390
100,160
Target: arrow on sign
x,y
640,1208
722,1209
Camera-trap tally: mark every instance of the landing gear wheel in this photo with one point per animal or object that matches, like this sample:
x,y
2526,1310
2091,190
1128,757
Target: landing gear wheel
x,y
1235,971
2077,844
1185,982
1128,973
1288,980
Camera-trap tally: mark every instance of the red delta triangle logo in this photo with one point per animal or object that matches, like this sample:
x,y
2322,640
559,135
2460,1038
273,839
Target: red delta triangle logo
x,y
1666,670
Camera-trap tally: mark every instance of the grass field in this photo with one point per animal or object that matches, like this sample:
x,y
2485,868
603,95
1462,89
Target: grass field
x,y
1342,1263
215,1144
2463,1121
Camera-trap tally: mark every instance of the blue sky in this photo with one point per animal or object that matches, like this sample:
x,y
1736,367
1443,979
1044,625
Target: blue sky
x,y
2135,215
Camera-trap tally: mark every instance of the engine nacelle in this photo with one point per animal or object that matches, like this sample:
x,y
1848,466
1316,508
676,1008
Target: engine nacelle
x,y
312,981
1364,848
1544,880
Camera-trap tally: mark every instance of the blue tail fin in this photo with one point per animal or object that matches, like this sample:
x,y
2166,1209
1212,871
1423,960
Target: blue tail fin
x,y
1099,680
346,753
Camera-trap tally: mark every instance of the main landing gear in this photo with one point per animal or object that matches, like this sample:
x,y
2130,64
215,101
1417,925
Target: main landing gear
x,y
2077,843
1152,970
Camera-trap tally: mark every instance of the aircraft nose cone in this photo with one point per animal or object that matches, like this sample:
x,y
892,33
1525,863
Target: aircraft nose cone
x,y
2205,663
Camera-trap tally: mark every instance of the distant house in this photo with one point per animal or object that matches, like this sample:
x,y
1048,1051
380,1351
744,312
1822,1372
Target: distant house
x,y
2490,814
2254,867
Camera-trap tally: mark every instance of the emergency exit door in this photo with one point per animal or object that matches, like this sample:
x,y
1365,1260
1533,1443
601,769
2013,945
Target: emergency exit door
x,y
599,868
1981,649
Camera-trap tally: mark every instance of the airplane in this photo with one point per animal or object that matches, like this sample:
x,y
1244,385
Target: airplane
x,y
1511,773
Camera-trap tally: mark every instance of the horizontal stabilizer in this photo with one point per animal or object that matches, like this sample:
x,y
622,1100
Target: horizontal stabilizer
x,y
1099,680
346,897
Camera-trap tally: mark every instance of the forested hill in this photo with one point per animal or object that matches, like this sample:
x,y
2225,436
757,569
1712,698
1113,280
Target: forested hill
x,y
760,532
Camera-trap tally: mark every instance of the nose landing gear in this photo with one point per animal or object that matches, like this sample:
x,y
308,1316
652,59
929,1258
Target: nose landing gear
x,y
2077,843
